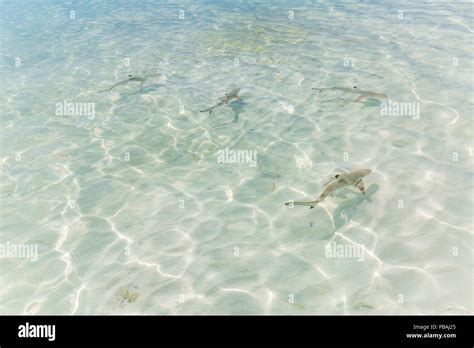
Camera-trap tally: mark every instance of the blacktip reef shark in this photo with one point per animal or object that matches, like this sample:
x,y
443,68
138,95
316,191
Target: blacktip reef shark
x,y
337,182
234,94
131,78
362,94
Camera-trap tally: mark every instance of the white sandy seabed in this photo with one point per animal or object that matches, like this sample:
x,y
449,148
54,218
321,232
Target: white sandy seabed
x,y
131,212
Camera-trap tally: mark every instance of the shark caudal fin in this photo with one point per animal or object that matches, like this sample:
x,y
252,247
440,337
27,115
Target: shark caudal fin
x,y
208,110
311,205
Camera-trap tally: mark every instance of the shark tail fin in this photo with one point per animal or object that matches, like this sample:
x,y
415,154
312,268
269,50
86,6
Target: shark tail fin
x,y
311,205
208,110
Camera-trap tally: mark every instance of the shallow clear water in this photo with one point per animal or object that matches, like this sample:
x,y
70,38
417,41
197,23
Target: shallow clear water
x,y
130,210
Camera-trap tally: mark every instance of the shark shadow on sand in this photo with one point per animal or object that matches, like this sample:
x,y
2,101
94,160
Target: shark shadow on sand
x,y
368,98
237,108
148,88
348,209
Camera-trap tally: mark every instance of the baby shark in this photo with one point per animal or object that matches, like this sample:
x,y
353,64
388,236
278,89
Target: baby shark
x,y
234,94
337,182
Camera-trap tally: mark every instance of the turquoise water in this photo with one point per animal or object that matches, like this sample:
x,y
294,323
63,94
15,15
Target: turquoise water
x,y
130,210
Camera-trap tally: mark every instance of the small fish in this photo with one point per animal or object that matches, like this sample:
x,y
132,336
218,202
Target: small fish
x,y
337,182
225,99
362,94
131,78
